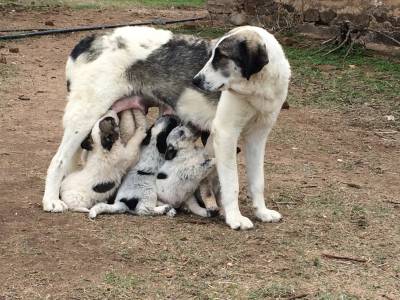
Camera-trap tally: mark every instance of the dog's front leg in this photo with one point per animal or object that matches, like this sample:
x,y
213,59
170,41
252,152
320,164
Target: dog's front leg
x,y
58,168
232,115
255,141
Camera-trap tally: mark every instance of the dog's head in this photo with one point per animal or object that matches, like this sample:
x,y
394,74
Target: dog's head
x,y
159,132
180,137
104,133
235,57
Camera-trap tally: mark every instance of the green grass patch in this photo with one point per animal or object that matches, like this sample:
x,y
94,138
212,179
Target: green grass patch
x,y
274,291
126,282
95,4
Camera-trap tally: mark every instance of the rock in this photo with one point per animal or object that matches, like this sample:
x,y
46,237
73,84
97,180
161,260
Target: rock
x,y
238,19
24,98
327,16
311,15
13,50
49,23
3,59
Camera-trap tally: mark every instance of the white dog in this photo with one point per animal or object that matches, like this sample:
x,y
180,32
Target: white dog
x,y
107,161
243,84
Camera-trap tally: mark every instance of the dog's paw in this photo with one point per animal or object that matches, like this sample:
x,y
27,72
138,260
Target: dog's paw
x,y
239,222
268,215
56,206
170,212
92,214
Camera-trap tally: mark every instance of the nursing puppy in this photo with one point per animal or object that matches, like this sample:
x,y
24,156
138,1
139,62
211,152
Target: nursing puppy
x,y
107,161
137,193
242,81
186,166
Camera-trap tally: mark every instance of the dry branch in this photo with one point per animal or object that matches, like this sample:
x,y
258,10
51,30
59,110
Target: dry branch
x,y
347,258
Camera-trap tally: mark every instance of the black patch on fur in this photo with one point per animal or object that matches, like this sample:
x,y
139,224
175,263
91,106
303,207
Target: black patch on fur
x,y
238,150
83,46
68,86
253,60
175,64
109,134
162,176
161,144
199,200
204,137
204,163
170,153
111,199
87,143
141,172
212,213
104,187
147,139
131,203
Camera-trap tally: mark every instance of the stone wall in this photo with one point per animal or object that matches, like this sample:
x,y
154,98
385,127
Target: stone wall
x,y
312,15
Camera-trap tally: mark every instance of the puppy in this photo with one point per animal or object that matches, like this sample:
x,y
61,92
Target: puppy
x,y
186,166
137,194
107,161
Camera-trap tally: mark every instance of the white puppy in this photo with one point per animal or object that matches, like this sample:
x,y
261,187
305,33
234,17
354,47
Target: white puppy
x,y
137,194
186,166
107,161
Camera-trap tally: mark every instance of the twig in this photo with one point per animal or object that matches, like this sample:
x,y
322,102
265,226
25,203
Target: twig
x,y
298,296
393,202
333,256
145,238
386,35
341,44
349,49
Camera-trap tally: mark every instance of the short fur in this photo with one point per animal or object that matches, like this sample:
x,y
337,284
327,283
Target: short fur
x,y
250,80
186,166
107,161
137,193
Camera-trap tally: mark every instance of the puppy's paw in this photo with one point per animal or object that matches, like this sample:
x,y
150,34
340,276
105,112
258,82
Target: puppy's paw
x,y
239,222
212,212
56,206
268,215
170,212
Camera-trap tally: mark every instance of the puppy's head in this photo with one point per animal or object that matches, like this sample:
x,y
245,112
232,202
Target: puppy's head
x,y
235,57
179,138
104,133
158,133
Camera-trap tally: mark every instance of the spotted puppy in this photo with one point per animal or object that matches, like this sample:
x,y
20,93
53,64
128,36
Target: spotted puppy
x,y
137,194
107,161
186,166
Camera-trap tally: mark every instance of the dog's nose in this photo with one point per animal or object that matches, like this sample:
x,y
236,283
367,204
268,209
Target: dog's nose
x,y
197,80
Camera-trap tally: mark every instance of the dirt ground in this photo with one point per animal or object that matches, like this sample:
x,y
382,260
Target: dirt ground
x,y
335,182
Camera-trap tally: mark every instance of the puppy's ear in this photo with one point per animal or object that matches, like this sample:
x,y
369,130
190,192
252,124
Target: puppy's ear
x,y
253,58
162,136
170,153
193,128
87,143
108,132
147,139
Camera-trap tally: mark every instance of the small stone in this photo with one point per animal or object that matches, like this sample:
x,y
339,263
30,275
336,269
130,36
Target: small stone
x,y
24,98
13,50
390,118
238,19
311,15
49,23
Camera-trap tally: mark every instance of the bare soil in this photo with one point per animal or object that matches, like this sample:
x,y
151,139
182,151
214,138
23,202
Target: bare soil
x,y
336,181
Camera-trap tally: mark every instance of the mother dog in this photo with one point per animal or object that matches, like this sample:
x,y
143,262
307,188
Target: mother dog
x,y
242,81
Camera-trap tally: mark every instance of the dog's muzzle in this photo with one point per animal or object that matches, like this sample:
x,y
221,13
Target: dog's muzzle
x,y
198,81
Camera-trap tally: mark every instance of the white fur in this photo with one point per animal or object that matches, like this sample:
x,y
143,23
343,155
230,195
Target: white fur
x,y
102,166
247,108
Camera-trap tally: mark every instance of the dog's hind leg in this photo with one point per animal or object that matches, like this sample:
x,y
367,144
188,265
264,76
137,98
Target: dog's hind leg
x,y
58,168
194,207
104,208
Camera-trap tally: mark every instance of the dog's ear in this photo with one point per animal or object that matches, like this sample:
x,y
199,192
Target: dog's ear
x,y
108,132
253,58
147,139
162,136
170,153
87,143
